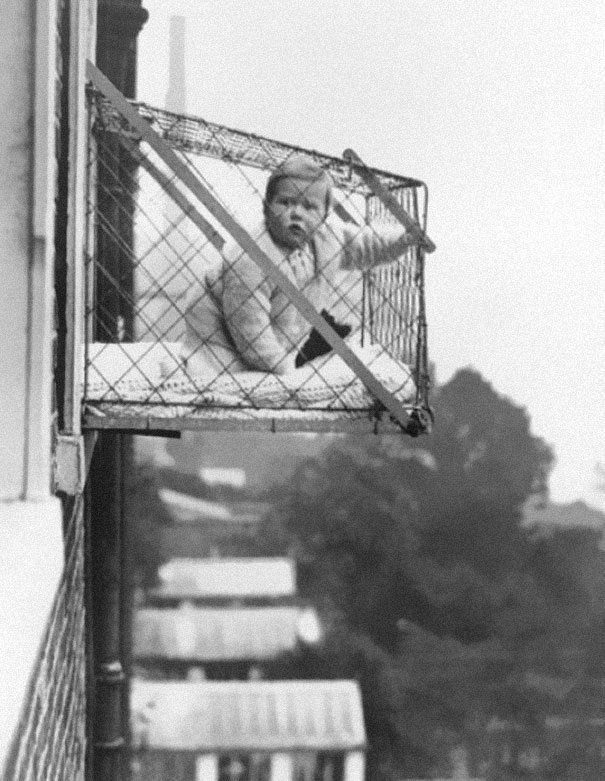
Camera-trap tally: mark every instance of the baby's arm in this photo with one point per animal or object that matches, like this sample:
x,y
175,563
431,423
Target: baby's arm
x,y
371,246
247,311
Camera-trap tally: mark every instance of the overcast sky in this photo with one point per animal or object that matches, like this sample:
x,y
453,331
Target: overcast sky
x,y
500,108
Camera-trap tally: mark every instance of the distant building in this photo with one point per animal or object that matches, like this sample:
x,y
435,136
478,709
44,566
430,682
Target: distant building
x,y
254,730
191,509
558,741
235,478
217,643
204,528
563,515
264,458
223,581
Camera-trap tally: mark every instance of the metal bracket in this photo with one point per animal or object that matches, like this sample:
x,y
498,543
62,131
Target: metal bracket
x,y
70,464
420,422
391,203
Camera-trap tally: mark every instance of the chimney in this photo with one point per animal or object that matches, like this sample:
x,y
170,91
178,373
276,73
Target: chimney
x,y
176,99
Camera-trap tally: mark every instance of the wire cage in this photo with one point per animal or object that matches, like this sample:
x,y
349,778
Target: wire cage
x,y
197,318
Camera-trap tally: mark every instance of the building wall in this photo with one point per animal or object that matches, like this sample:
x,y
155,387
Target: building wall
x,y
50,740
42,642
265,458
207,539
16,138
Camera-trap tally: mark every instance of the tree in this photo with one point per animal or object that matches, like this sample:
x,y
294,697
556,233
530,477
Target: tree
x,y
485,465
392,530
352,532
428,536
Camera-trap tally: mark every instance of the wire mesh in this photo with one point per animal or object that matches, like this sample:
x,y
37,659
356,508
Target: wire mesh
x,y
181,323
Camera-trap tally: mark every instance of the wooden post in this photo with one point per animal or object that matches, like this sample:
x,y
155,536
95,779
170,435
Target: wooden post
x,y
206,767
355,766
281,767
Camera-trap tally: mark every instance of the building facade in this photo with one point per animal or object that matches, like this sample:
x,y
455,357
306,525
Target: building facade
x,y
248,730
42,628
45,665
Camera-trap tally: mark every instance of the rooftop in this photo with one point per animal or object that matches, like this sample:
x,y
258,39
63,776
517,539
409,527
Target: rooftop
x,y
214,634
185,508
247,715
233,578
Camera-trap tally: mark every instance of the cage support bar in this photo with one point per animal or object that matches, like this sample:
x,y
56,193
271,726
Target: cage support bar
x,y
381,192
247,243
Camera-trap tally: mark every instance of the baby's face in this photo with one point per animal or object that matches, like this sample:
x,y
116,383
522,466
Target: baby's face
x,y
296,211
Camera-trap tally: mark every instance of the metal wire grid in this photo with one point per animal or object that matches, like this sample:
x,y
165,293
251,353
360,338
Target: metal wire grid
x,y
153,249
198,136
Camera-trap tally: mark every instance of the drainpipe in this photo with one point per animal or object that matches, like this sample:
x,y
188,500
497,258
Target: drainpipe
x,y
106,515
118,25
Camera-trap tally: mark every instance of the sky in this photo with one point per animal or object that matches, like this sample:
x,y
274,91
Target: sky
x,y
499,108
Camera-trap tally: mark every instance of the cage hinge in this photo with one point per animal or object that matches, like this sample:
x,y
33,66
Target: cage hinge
x,y
70,464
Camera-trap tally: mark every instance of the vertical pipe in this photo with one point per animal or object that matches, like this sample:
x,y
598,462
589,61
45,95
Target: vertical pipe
x,y
105,531
126,594
61,212
118,25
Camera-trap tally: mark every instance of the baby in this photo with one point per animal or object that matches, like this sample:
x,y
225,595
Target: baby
x,y
244,321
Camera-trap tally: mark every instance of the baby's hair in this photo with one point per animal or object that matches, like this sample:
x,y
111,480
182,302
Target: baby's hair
x,y
299,167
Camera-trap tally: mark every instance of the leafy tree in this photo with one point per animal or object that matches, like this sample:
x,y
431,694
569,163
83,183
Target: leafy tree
x,y
352,532
485,465
392,530
420,548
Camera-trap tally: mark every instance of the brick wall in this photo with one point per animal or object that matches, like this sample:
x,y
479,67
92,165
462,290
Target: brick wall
x,y
51,737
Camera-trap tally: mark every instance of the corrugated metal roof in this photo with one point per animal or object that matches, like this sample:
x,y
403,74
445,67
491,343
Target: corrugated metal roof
x,y
216,634
247,715
185,508
194,506
234,578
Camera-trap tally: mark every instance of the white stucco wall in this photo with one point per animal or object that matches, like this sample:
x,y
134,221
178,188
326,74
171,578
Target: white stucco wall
x,y
31,562
31,540
16,77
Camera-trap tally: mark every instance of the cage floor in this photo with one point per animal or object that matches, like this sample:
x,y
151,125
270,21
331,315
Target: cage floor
x,y
139,387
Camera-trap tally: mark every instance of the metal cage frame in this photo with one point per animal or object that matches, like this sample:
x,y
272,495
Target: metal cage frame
x,y
173,137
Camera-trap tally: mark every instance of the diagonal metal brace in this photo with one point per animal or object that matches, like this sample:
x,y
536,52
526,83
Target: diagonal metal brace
x,y
391,203
246,242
